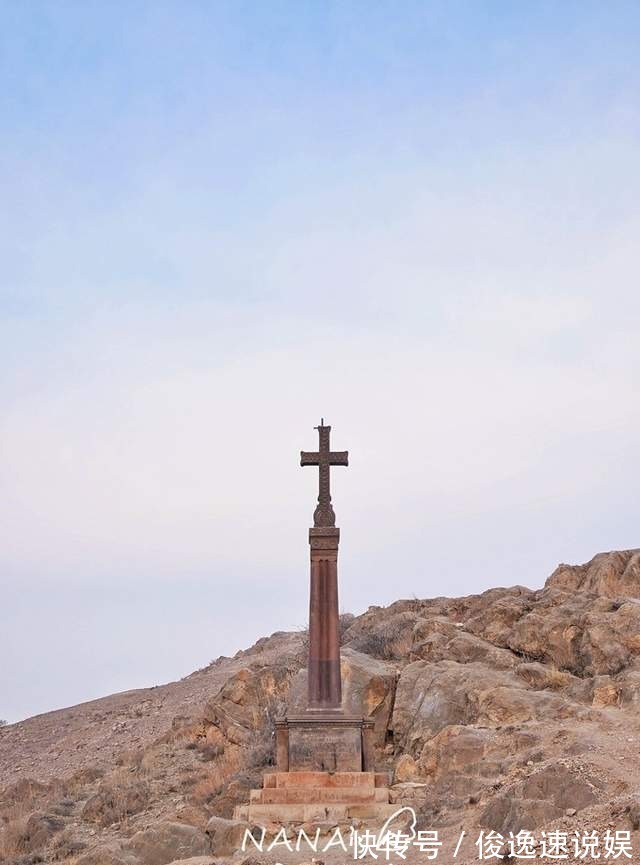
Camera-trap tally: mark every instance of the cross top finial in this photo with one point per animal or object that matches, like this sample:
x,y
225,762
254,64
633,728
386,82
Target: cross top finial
x,y
324,458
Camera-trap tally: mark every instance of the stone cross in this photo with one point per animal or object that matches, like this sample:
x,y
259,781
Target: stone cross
x,y
324,680
324,457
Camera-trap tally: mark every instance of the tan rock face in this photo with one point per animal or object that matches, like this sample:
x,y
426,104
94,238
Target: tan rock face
x,y
610,575
406,769
455,749
543,796
248,701
431,697
580,634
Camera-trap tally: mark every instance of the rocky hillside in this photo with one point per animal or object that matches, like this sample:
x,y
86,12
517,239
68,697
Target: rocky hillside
x,y
513,709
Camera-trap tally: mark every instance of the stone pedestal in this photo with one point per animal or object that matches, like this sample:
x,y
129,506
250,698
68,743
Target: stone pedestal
x,y
324,742
298,797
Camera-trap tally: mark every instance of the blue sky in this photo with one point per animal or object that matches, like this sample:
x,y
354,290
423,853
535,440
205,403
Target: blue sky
x,y
221,221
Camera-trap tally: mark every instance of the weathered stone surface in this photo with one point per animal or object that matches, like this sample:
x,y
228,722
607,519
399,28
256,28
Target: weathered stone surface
x,y
628,684
455,749
440,639
325,744
109,854
167,841
250,698
545,795
581,634
406,769
430,697
225,835
317,796
605,692
611,575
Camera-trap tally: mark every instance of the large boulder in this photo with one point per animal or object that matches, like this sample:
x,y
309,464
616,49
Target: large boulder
x,y
166,841
35,831
430,697
406,770
543,796
579,633
438,638
226,836
248,702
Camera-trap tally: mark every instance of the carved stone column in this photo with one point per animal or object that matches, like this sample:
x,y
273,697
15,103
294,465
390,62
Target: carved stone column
x,y
324,680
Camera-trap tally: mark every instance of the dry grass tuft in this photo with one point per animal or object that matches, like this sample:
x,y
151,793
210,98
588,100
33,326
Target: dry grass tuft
x,y
28,834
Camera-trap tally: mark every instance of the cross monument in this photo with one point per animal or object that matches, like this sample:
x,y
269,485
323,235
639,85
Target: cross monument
x,y
324,681
325,745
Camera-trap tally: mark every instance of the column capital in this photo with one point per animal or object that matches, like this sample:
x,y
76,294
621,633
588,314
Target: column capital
x,y
324,538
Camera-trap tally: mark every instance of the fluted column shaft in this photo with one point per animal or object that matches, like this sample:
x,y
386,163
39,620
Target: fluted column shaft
x,y
325,689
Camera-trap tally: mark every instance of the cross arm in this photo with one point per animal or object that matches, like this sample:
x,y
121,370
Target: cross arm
x,y
339,458
309,458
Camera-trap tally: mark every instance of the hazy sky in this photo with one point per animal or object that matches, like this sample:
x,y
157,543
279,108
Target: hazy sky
x,y
220,221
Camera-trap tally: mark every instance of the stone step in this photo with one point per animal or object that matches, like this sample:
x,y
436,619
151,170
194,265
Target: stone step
x,y
309,795
325,779
278,813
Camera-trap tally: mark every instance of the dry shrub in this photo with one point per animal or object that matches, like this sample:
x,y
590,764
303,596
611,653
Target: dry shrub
x,y
149,763
132,757
118,797
21,798
392,641
29,834
65,846
11,837
557,678
543,676
261,749
206,750
78,782
205,790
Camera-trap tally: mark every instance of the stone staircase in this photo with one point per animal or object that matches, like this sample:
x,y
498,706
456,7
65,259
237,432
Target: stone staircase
x,y
298,797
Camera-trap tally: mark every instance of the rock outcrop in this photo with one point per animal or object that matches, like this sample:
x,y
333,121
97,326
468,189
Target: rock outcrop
x,y
610,575
507,710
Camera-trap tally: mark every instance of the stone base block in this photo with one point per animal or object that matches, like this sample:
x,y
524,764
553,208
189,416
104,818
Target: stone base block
x,y
298,797
291,796
281,814
328,741
310,780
